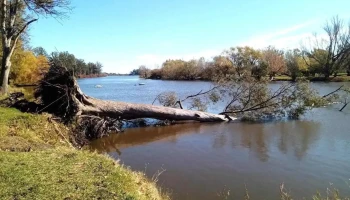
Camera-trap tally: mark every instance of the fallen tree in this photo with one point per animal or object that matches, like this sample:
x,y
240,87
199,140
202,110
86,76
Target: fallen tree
x,y
62,96
246,98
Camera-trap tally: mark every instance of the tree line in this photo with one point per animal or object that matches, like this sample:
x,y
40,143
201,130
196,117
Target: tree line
x,y
15,18
76,66
30,64
22,64
321,58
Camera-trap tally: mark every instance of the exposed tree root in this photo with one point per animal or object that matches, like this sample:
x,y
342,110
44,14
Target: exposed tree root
x,y
62,96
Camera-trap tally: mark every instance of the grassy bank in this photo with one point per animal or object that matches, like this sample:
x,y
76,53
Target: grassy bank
x,y
38,162
341,78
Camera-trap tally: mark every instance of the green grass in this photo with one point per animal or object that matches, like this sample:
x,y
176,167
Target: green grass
x,y
27,91
69,174
340,79
282,78
38,162
25,132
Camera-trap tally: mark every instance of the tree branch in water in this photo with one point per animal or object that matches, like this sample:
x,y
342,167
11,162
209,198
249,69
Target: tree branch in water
x,y
335,91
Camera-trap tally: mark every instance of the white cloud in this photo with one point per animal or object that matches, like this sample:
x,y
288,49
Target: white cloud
x,y
290,37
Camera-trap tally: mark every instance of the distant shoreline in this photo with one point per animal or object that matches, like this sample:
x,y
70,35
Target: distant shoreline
x,y
91,76
277,78
342,78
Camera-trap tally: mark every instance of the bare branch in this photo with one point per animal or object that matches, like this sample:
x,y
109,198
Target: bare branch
x,y
262,104
234,98
155,99
200,93
54,8
180,104
333,91
3,16
19,33
345,104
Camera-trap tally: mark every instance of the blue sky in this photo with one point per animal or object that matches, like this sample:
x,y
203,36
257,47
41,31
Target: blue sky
x,y
124,34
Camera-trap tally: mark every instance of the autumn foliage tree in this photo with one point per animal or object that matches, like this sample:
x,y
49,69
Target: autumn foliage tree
x,y
28,69
274,60
15,17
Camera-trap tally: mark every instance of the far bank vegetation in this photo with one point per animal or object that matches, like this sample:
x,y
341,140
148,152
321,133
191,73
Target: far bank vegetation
x,y
324,58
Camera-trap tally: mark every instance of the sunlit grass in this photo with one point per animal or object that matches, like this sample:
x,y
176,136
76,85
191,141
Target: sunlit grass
x,y
330,194
339,78
27,91
65,173
38,162
282,78
24,132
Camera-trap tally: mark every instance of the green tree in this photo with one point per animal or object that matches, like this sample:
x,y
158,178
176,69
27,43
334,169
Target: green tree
x,y
135,72
66,59
97,68
77,67
81,67
40,51
292,64
260,70
220,67
243,59
295,64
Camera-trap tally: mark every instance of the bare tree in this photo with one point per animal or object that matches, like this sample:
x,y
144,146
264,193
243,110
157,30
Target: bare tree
x,y
15,17
144,72
330,53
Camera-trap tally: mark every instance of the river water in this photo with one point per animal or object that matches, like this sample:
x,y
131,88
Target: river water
x,y
206,161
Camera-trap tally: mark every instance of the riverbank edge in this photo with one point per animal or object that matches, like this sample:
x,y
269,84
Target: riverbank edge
x,y
38,161
277,78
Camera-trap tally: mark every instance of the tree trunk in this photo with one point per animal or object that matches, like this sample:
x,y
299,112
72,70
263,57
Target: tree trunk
x,y
91,106
5,70
60,95
327,73
125,110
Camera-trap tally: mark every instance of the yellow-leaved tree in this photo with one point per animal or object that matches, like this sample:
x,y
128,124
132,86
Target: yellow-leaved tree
x,y
27,69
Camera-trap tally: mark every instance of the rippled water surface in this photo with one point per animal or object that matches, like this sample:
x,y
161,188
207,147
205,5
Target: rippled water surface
x,y
203,161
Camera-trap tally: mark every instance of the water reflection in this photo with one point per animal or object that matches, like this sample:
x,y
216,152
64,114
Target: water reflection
x,y
313,151
140,136
296,136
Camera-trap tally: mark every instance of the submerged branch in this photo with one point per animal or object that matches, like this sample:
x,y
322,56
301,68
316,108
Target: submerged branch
x,y
335,91
344,106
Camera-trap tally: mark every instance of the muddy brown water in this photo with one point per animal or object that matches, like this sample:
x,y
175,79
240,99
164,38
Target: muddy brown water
x,y
208,160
